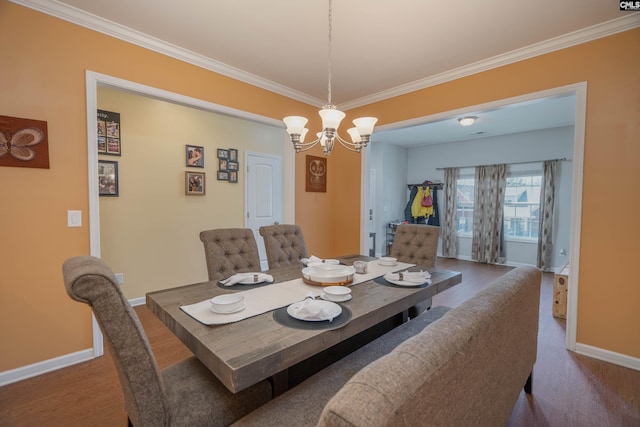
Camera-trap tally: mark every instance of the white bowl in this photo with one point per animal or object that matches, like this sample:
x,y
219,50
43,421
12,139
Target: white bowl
x,y
227,302
388,260
328,273
336,293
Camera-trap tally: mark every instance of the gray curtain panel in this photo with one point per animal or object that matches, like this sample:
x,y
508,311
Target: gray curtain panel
x,y
449,224
488,212
547,202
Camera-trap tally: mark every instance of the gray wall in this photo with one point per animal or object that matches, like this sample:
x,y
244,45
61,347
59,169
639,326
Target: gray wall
x,y
390,165
423,162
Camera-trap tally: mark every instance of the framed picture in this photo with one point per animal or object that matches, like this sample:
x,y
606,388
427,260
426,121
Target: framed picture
x,y
195,156
24,143
109,133
194,183
223,154
233,177
108,178
223,165
316,174
223,176
232,166
233,154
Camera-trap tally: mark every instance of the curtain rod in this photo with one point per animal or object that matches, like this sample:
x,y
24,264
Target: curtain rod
x,y
432,185
513,163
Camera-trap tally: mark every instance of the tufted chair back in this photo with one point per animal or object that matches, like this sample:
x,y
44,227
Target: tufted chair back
x,y
91,281
229,251
416,244
183,394
284,244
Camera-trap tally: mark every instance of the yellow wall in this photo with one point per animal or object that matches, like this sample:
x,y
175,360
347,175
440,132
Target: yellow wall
x,y
42,77
150,233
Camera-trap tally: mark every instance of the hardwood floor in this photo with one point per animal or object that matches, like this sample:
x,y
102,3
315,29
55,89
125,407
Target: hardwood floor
x,y
568,389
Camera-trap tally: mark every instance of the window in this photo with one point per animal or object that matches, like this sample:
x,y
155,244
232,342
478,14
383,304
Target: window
x,y
464,203
521,206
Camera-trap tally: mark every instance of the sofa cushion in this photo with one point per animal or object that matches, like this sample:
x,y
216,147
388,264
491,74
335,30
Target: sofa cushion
x,y
303,404
466,369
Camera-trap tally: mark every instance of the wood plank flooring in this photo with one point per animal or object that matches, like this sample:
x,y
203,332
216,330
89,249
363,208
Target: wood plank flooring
x,y
568,389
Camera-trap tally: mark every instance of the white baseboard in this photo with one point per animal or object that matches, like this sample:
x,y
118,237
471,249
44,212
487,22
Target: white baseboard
x,y
608,356
24,372
138,301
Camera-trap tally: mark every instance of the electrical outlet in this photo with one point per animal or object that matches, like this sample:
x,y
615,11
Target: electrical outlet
x,y
120,278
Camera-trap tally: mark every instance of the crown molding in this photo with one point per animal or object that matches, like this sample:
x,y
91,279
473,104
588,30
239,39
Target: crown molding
x,y
113,29
571,39
95,23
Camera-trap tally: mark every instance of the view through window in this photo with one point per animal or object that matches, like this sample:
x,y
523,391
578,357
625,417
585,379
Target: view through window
x,y
521,206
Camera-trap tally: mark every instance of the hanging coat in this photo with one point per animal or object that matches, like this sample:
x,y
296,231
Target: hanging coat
x,y
408,216
417,210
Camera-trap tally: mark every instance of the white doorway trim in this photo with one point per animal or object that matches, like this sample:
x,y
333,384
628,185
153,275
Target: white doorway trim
x,y
580,90
93,80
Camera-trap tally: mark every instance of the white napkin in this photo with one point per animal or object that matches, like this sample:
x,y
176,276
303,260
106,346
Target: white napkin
x,y
311,309
409,276
252,277
314,260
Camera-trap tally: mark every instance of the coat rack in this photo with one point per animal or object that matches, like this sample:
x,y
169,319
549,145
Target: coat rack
x,y
437,185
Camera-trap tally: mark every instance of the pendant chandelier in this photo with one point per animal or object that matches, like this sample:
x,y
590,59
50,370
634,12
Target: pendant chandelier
x,y
331,118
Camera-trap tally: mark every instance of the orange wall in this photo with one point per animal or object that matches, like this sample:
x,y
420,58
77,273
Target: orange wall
x,y
609,290
42,77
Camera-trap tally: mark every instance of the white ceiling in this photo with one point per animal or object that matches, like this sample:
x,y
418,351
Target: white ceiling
x,y
380,48
546,113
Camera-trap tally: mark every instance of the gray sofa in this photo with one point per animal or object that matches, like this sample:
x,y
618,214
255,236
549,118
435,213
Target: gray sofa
x,y
465,367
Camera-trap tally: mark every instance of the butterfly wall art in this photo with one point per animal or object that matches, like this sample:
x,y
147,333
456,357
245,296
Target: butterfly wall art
x,y
23,143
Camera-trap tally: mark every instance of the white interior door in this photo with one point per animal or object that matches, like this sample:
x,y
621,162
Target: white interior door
x,y
263,194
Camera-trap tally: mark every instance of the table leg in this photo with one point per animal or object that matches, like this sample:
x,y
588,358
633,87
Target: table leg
x,y
280,382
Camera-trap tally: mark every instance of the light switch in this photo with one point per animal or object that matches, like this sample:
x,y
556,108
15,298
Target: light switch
x,y
74,218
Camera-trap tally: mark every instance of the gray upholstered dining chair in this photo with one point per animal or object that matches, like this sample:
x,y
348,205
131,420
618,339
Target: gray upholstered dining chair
x,y
184,394
416,244
229,251
284,245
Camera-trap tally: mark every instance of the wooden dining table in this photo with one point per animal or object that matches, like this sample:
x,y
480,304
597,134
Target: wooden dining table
x,y
246,352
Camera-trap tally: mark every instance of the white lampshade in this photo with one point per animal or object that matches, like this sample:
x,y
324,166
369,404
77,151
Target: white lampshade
x,y
303,134
331,118
355,135
295,124
365,125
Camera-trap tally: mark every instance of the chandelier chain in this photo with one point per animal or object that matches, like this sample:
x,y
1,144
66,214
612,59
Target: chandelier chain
x,y
331,118
329,58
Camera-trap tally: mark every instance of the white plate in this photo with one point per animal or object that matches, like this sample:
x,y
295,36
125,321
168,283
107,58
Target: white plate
x,y
403,283
242,307
334,309
309,263
333,298
328,273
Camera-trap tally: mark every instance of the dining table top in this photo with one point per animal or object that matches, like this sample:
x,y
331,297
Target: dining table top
x,y
248,351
